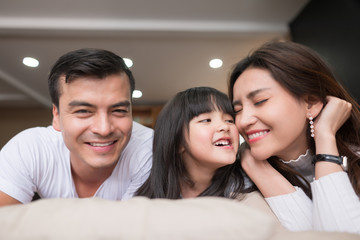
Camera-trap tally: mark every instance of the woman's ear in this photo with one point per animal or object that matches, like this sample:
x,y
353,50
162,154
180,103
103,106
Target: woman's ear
x,y
314,105
181,149
56,120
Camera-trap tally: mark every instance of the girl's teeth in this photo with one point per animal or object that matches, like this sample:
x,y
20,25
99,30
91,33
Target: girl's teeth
x,y
222,143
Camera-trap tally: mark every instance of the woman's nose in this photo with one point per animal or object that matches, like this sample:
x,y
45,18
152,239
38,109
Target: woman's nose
x,y
245,119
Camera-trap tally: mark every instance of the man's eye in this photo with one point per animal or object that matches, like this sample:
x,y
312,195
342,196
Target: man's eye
x,y
121,110
82,111
260,102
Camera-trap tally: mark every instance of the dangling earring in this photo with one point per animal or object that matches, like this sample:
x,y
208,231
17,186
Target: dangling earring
x,y
312,130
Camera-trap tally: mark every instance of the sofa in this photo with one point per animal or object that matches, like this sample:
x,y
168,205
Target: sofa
x,y
141,218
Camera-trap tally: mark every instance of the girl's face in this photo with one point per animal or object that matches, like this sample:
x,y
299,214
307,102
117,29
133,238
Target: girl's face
x,y
271,120
211,142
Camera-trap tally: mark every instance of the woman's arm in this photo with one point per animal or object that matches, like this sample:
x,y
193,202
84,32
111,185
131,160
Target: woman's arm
x,y
336,205
291,205
331,118
264,176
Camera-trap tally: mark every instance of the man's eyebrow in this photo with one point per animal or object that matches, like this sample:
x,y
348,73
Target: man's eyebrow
x,y
250,95
86,104
121,104
80,103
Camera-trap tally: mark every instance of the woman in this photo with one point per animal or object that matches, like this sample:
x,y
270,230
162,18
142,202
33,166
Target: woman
x,y
298,122
195,147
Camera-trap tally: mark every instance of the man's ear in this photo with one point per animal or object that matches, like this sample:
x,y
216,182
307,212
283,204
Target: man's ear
x,y
56,120
314,105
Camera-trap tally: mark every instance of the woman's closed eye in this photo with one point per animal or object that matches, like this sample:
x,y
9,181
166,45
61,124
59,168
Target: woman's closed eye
x,y
260,102
237,109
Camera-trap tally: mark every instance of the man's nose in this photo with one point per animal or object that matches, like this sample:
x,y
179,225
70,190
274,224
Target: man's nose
x,y
102,124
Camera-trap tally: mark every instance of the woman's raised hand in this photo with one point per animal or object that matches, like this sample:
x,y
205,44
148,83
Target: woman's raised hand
x,y
264,176
332,116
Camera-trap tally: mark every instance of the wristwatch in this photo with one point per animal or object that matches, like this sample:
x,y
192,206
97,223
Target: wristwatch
x,y
341,160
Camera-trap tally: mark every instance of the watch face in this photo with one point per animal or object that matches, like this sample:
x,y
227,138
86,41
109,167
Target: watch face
x,y
344,163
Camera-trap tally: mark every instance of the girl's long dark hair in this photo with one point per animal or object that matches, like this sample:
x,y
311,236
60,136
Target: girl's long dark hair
x,y
303,73
168,169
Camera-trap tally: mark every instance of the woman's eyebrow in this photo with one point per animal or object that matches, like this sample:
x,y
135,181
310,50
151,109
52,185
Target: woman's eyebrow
x,y
250,95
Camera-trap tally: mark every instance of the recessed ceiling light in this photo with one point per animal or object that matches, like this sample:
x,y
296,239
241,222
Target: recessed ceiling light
x,y
137,94
215,63
128,62
30,62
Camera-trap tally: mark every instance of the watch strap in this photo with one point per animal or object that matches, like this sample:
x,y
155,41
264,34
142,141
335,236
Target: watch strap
x,y
341,160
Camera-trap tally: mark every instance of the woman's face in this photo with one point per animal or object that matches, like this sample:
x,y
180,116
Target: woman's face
x,y
271,120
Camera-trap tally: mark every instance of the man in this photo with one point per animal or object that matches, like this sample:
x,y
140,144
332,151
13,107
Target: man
x,y
93,148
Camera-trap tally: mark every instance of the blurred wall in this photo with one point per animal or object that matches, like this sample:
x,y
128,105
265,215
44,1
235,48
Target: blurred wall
x,y
14,120
332,28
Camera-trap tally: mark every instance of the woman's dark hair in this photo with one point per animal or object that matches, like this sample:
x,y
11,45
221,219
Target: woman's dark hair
x,y
86,62
303,73
168,169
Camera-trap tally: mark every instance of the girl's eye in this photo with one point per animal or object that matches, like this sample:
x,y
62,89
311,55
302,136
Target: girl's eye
x,y
230,121
260,102
205,120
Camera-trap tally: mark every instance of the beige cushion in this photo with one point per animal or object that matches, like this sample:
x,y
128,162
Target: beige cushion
x,y
256,200
312,235
138,218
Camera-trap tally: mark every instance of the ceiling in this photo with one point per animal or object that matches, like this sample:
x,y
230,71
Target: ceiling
x,y
169,41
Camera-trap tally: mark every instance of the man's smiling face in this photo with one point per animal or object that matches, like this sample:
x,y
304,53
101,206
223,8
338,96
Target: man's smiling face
x,y
94,116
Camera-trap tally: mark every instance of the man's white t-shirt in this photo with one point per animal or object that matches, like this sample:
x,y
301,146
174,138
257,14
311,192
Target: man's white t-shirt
x,y
37,160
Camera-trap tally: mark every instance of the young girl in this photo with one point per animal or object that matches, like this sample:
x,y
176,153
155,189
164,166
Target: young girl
x,y
195,147
299,122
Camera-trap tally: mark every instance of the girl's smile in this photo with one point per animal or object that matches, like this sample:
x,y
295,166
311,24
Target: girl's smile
x,y
211,141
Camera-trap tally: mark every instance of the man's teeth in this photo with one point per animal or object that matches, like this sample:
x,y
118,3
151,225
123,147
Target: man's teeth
x,y
101,144
222,143
255,135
